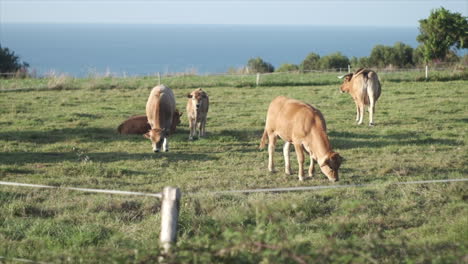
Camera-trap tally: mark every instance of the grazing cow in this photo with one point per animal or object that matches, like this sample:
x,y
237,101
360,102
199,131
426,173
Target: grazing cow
x,y
197,111
364,87
160,109
304,126
139,124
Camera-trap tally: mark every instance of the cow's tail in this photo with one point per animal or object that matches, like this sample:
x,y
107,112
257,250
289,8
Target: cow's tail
x,y
264,139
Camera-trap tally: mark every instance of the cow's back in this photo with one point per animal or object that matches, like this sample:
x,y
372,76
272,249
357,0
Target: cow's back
x,y
160,107
366,83
292,119
134,125
373,85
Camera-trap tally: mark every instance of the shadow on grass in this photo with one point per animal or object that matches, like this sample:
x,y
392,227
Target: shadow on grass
x,y
349,140
83,134
8,158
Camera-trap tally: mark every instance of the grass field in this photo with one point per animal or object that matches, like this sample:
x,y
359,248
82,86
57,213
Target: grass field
x,y
62,131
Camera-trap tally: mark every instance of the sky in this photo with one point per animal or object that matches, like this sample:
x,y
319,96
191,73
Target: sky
x,y
396,13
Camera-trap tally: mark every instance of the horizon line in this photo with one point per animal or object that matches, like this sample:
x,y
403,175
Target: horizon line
x,y
202,24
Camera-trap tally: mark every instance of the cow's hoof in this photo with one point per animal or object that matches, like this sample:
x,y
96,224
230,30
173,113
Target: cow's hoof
x,y
287,172
371,124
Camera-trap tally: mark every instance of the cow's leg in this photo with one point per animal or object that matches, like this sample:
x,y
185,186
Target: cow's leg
x,y
271,151
357,111
192,126
371,111
311,167
300,159
202,127
361,113
287,165
199,127
165,145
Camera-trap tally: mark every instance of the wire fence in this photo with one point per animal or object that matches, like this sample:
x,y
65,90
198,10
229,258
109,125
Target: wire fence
x,y
172,196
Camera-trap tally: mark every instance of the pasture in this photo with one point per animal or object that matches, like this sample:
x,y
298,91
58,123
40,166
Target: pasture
x,y
62,131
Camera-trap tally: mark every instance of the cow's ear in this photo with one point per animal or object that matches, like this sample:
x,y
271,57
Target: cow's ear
x,y
147,135
189,95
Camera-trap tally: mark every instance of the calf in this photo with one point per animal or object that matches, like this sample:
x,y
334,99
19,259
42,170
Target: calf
x,y
139,124
197,111
364,87
304,126
160,109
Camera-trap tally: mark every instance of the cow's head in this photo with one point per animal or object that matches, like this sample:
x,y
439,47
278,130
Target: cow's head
x,y
330,165
157,137
197,97
346,86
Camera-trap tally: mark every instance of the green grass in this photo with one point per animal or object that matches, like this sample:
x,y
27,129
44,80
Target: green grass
x,y
62,132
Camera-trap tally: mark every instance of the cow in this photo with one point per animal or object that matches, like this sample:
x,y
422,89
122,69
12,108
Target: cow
x,y
197,111
160,109
139,124
364,87
135,125
302,125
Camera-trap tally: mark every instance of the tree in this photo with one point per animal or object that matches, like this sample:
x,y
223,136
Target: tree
x,y
400,55
311,62
403,55
287,68
257,65
10,62
362,62
441,32
334,61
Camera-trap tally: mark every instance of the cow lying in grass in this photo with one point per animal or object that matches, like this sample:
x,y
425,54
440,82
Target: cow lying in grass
x,y
197,111
160,109
364,87
138,124
304,126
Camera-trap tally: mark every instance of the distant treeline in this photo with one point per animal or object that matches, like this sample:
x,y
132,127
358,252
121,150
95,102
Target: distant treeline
x,y
441,35
397,56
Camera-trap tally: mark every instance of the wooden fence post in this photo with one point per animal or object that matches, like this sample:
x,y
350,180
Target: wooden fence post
x,y
427,72
258,78
349,68
169,216
159,78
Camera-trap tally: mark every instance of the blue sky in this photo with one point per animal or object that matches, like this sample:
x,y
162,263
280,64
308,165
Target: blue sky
x,y
396,13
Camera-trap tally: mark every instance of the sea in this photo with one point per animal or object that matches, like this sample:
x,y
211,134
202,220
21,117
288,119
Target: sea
x,y
82,50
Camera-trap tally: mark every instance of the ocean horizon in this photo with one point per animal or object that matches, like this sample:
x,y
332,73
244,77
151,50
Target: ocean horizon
x,y
144,49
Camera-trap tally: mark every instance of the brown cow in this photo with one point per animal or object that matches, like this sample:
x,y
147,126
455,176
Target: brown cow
x,y
139,124
364,87
304,126
197,111
160,109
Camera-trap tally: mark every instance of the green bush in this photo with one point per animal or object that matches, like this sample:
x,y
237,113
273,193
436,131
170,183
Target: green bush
x,y
258,65
287,68
10,62
334,61
311,62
